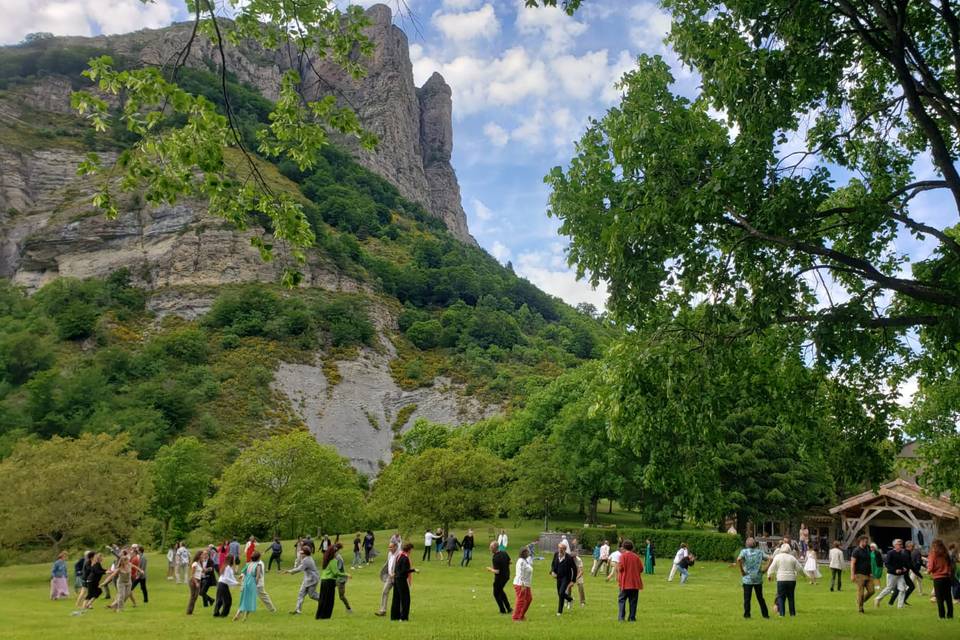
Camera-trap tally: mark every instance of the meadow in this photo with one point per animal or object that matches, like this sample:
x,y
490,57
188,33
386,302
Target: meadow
x,y
455,602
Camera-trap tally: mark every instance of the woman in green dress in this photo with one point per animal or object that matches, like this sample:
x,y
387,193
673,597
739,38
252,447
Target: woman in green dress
x,y
876,564
649,557
248,590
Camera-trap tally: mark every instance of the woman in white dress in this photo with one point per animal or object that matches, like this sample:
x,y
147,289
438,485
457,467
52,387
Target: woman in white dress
x,y
810,566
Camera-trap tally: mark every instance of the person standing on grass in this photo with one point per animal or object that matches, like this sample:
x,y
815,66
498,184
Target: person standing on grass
x,y
750,563
603,558
502,540
677,557
614,563
342,578
181,564
804,539
368,541
876,565
328,582
836,565
564,569
684,567
467,545
83,563
786,567
58,578
911,578
260,575
629,568
209,576
427,545
311,577
357,556
500,568
596,558
124,574
171,559
955,578
248,550
196,578
248,587
221,608
386,576
233,550
276,550
861,571
450,545
942,571
438,539
522,586
139,558
578,563
810,566
92,577
402,578
649,558
896,565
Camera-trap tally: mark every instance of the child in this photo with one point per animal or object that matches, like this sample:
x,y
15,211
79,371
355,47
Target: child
x,y
684,567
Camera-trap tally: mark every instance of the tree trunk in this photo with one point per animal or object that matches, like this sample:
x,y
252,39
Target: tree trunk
x,y
742,524
580,511
166,533
610,506
592,515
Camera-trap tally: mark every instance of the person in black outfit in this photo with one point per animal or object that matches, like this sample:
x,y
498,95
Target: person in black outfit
x,y
564,569
368,541
914,561
467,545
276,550
400,605
209,577
501,576
91,579
328,586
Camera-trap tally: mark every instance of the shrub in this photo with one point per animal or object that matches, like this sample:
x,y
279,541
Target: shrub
x,y
426,335
705,545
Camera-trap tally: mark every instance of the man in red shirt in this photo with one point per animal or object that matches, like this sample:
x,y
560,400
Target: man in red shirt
x,y
628,577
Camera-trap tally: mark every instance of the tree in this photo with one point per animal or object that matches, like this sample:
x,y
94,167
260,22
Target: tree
x,y
670,205
741,428
181,474
65,492
439,485
284,483
541,481
425,435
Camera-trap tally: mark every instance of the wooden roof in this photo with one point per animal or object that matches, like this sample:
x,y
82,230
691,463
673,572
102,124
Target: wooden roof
x,y
906,492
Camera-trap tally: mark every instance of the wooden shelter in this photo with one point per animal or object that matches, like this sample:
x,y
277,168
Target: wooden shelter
x,y
898,509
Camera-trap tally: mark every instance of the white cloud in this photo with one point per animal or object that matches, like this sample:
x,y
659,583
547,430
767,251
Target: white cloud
x,y
482,211
81,17
500,251
530,130
650,25
463,27
555,30
543,269
582,76
479,83
497,135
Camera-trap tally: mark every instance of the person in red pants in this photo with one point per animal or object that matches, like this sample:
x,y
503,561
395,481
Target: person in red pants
x,y
522,581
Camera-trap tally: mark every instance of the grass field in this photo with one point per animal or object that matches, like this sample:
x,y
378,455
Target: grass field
x,y
452,602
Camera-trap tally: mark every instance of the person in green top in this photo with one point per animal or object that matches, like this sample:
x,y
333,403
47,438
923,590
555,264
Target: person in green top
x,y
328,581
649,557
876,564
750,563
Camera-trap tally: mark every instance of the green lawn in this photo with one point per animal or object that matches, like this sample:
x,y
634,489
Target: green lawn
x,y
456,603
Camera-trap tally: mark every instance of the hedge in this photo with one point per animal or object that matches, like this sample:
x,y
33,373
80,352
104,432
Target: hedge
x,y
705,545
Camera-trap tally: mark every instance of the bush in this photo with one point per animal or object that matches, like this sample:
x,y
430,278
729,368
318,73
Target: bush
x,y
426,335
705,545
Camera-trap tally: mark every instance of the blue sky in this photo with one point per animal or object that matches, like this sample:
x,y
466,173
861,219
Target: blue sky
x,y
524,84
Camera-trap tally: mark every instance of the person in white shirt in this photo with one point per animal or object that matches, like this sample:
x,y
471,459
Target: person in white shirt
x,y
680,555
785,566
182,563
502,540
386,576
428,538
614,561
522,584
604,561
836,564
221,608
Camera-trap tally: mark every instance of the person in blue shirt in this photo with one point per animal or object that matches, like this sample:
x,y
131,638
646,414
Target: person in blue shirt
x,y
750,563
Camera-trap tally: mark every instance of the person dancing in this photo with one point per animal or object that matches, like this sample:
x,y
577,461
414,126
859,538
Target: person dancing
x,y
402,578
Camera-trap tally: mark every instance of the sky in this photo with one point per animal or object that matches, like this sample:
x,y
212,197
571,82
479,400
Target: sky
x,y
525,82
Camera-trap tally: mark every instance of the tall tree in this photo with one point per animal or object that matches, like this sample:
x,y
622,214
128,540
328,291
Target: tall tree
x,y
540,481
63,492
671,205
182,474
286,483
440,485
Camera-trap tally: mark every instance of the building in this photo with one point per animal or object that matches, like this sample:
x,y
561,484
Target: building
x,y
898,509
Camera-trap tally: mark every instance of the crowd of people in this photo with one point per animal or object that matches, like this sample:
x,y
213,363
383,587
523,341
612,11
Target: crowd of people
x,y
324,576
